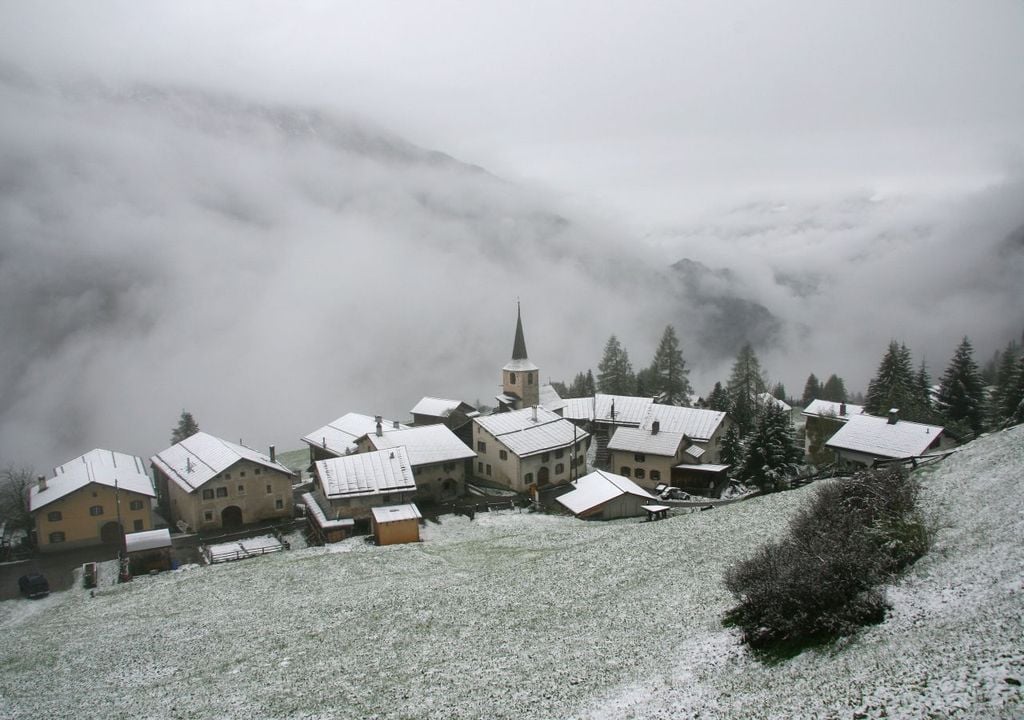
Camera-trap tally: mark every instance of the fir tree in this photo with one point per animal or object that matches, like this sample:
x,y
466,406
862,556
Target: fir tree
x,y
187,427
961,396
812,390
1013,401
893,385
1003,384
746,382
834,389
771,454
718,399
779,391
615,373
590,386
668,372
732,449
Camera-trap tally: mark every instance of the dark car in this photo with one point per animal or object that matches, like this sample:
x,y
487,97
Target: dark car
x,y
33,585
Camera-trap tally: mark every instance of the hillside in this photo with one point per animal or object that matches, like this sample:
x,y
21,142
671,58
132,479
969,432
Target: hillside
x,y
519,615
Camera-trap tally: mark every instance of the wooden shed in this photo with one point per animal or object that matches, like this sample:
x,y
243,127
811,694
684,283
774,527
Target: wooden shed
x,y
148,551
606,496
396,524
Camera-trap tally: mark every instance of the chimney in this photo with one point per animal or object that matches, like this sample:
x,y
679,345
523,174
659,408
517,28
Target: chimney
x,y
655,427
534,413
323,443
273,454
188,464
842,409
380,426
894,416
41,479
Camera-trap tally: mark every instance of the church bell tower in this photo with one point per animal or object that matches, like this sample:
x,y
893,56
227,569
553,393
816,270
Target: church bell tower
x,y
520,378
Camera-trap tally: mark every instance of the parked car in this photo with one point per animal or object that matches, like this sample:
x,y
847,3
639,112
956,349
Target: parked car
x,y
674,494
34,585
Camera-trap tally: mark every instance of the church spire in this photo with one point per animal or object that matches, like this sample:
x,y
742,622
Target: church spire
x,y
519,347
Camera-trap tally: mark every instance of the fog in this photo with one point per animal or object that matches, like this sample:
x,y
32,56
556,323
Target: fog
x,y
273,215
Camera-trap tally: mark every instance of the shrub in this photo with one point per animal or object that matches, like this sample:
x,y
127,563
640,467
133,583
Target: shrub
x,y
821,581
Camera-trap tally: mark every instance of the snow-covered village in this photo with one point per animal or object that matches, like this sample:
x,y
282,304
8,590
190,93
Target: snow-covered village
x,y
527,361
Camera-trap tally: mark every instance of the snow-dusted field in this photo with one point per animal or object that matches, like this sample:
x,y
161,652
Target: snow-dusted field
x,y
516,615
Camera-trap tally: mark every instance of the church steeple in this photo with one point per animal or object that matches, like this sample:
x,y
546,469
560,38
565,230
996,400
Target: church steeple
x,y
520,378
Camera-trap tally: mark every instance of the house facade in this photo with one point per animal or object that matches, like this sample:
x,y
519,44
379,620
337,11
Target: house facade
x,y
438,458
396,524
92,500
207,483
530,447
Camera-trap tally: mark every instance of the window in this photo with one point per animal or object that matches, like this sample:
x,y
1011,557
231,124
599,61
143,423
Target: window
x,y
227,476
639,474
241,474
481,446
512,378
256,471
222,492
54,516
418,470
136,505
387,498
56,537
241,489
96,510
503,455
138,525
479,467
208,494
528,478
279,504
559,468
639,457
545,457
624,471
656,475
529,378
559,452
208,516
488,468
270,489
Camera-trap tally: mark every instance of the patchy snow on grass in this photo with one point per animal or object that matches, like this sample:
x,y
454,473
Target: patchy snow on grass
x,y
518,615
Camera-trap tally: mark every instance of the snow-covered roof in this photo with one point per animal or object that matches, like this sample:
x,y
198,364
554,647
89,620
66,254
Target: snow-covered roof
x,y
520,365
578,408
766,398
635,440
531,430
698,424
396,513
629,410
875,436
339,436
372,473
704,467
550,399
832,410
695,451
440,407
597,488
147,540
314,509
426,444
103,467
196,460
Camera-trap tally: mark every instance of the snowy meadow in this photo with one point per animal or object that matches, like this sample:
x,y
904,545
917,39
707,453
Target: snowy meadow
x,y
522,615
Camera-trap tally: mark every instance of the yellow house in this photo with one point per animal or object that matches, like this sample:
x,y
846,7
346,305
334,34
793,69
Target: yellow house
x,y
396,524
210,484
92,500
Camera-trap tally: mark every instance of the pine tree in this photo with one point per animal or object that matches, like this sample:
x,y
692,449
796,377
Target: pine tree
x,y
779,391
893,385
590,386
668,372
718,399
732,449
1013,401
1004,377
187,427
746,382
771,454
961,396
615,373
812,390
834,389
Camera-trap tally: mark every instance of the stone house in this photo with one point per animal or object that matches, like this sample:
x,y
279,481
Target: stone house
x,y
437,456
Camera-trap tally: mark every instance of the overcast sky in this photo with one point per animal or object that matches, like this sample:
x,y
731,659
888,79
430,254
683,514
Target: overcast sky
x,y
856,166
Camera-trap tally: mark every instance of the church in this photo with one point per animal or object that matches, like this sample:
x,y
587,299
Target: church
x,y
520,380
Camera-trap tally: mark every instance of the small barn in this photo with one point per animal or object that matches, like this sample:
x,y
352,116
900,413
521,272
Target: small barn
x,y
395,524
323,529
606,496
148,551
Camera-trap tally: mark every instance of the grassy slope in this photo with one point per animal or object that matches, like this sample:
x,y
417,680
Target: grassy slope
x,y
518,615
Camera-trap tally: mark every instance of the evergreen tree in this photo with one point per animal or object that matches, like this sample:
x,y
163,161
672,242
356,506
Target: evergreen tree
x,y
746,382
961,396
812,390
590,387
669,374
1013,401
615,373
779,391
560,388
646,384
718,399
1003,384
893,385
834,389
187,427
771,454
732,449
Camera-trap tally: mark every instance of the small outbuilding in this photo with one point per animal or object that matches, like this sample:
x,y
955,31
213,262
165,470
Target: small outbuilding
x,y
148,551
395,524
606,496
